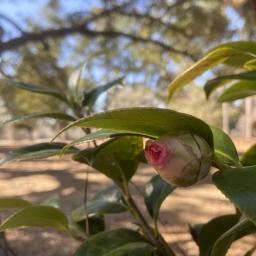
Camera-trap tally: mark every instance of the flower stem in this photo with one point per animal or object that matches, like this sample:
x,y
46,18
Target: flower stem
x,y
155,239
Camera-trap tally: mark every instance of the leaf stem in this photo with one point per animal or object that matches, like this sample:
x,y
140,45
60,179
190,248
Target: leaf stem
x,y
155,239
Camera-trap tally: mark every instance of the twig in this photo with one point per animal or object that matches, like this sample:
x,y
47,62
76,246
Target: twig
x,y
158,240
5,244
14,24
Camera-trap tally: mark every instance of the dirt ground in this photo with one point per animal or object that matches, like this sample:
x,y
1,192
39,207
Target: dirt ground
x,y
39,180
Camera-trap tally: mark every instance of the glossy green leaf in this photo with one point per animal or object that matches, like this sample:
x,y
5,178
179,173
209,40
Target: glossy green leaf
x,y
91,96
212,230
74,82
13,203
239,230
106,201
224,148
247,49
250,65
249,157
142,158
238,185
239,90
36,89
134,249
90,226
194,231
212,59
243,45
36,151
106,242
37,216
234,54
54,115
217,82
100,134
148,122
155,192
53,201
116,158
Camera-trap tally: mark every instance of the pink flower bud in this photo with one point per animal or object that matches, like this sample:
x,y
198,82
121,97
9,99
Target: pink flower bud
x,y
182,160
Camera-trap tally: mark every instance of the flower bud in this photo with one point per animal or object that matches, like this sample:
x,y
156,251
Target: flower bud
x,y
182,160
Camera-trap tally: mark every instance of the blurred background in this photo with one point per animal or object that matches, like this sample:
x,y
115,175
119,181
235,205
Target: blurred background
x,y
149,42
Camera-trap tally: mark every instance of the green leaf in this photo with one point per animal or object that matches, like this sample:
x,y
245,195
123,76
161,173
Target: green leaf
x,y
217,56
250,65
238,185
36,89
53,201
142,158
100,134
224,148
239,230
233,54
217,82
74,82
90,226
155,192
12,203
37,216
104,243
247,49
116,158
54,115
36,151
106,201
239,90
134,249
249,157
148,122
194,231
212,230
91,96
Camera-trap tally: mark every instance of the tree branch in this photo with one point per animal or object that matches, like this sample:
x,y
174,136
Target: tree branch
x,y
139,39
154,20
14,24
37,37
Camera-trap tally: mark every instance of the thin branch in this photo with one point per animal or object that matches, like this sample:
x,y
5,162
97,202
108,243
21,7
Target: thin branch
x,y
154,21
95,16
37,37
13,23
158,240
140,39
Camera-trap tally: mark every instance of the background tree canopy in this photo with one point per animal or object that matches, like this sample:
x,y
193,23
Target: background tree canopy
x,y
43,41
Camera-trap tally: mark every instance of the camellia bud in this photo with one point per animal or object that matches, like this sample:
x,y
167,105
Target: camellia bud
x,y
182,159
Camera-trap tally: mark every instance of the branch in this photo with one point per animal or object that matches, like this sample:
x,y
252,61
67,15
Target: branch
x,y
37,37
139,39
154,21
14,24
